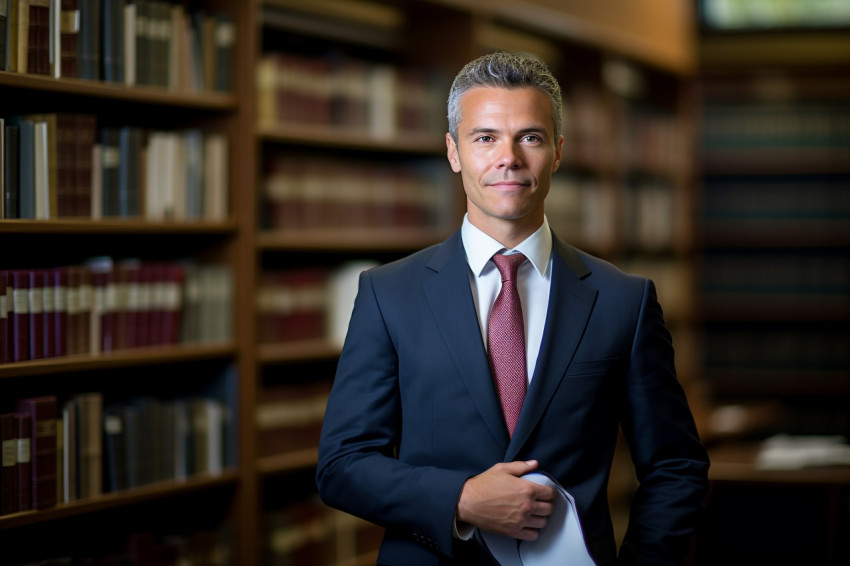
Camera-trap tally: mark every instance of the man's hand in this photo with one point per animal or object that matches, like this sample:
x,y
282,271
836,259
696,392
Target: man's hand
x,y
499,501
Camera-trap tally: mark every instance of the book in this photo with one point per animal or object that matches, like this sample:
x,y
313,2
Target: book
x,y
84,135
115,448
4,319
26,171
20,340
34,36
35,310
41,175
24,461
130,22
42,414
113,40
8,473
89,46
90,443
2,164
11,35
69,37
4,34
11,187
59,277
70,467
110,171
48,301
7,299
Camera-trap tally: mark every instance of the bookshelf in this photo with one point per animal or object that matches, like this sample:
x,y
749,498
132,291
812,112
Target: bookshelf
x,y
773,300
625,192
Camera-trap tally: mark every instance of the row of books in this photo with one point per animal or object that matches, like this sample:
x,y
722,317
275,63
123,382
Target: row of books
x,y
307,303
62,450
317,192
787,348
107,305
63,165
654,142
377,99
586,210
794,125
289,417
308,532
144,42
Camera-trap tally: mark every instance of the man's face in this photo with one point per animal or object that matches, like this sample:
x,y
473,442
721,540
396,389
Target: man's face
x,y
506,153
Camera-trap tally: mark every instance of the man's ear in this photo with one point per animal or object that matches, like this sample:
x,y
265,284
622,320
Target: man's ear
x,y
451,153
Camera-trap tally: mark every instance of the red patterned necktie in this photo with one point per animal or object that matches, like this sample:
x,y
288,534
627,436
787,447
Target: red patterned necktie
x,y
506,341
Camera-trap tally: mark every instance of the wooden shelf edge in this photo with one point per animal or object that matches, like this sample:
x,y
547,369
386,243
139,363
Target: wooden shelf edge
x,y
116,91
326,136
351,239
120,358
298,351
288,461
116,225
159,490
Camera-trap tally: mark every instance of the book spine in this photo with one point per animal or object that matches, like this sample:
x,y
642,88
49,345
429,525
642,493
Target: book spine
x,y
11,181
69,37
5,335
48,299
35,297
9,473
60,313
42,414
24,461
20,316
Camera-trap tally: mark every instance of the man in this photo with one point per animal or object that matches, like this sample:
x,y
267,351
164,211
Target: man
x,y
417,436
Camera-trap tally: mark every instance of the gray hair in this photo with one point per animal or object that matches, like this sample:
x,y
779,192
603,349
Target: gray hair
x,y
504,70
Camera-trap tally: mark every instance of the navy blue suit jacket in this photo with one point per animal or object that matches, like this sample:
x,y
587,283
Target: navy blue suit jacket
x,y
414,413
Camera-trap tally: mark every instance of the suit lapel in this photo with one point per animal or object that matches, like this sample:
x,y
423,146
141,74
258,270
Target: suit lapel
x,y
450,299
571,302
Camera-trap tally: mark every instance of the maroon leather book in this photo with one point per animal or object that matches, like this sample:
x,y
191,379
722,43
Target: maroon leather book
x,y
8,343
36,314
101,281
59,276
42,414
20,315
9,472
48,305
86,297
38,44
24,463
68,39
84,139
172,305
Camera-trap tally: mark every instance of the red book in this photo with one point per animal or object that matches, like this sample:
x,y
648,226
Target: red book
x,y
48,302
36,314
20,315
9,473
128,276
4,317
103,287
145,301
86,297
59,278
7,346
42,414
68,38
24,463
172,303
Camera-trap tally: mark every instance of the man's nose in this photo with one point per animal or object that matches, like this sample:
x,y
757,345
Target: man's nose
x,y
510,157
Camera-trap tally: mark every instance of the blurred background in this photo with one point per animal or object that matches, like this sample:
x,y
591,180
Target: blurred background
x,y
707,146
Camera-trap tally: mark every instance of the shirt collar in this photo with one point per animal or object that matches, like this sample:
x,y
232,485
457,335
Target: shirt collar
x,y
480,247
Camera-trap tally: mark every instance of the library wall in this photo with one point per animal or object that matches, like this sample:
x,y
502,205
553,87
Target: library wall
x,y
774,292
188,202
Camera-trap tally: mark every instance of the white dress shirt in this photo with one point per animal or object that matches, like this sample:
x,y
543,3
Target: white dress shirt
x,y
533,281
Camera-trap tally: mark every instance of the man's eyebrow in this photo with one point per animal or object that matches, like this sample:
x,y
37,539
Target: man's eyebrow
x,y
523,131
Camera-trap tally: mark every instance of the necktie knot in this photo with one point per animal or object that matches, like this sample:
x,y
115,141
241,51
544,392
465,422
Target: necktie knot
x,y
508,265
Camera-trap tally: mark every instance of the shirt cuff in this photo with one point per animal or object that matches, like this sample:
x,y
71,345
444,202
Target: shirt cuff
x,y
462,531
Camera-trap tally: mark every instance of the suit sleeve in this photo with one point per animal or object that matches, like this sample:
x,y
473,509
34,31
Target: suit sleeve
x,y
670,461
357,469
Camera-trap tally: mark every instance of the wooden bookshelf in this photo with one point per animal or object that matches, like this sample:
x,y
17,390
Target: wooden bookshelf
x,y
618,77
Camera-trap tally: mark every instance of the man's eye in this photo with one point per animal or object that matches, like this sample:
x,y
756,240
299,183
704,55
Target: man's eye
x,y
484,138
532,138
